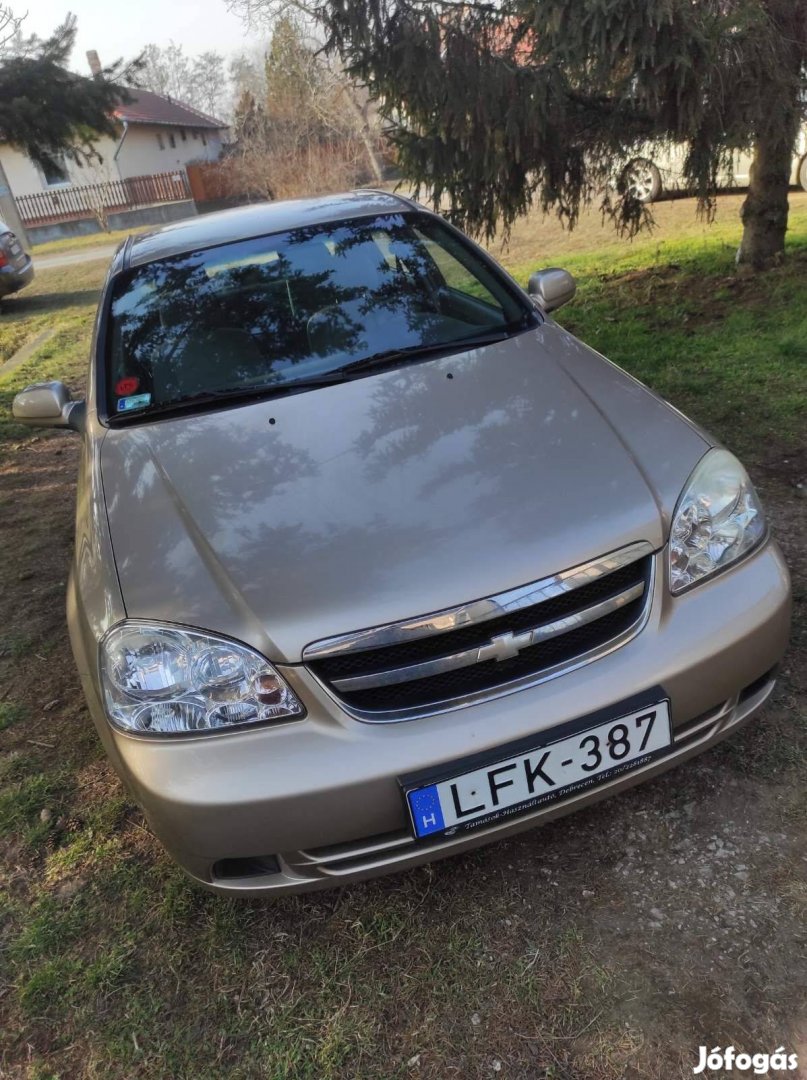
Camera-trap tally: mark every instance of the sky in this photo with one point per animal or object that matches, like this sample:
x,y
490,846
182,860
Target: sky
x,y
122,27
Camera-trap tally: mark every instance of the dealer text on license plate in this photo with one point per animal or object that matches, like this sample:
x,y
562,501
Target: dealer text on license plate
x,y
554,768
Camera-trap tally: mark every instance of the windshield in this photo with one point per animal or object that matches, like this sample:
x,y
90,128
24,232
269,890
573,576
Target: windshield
x,y
274,311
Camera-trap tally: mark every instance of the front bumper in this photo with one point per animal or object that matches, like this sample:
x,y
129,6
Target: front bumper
x,y
321,795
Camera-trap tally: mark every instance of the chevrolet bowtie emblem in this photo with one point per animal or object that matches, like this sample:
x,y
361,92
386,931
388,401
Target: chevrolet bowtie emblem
x,y
505,646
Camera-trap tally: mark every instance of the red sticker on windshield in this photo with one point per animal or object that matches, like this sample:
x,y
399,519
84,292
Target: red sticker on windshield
x,y
127,385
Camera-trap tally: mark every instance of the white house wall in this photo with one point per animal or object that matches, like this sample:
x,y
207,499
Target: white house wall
x,y
94,171
25,178
140,154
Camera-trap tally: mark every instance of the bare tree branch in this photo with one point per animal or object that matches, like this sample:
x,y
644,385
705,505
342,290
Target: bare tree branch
x,y
10,28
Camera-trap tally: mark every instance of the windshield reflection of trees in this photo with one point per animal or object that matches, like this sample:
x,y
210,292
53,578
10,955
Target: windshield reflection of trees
x,y
264,311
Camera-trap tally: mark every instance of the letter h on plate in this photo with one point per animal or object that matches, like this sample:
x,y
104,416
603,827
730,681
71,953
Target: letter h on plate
x,y
426,812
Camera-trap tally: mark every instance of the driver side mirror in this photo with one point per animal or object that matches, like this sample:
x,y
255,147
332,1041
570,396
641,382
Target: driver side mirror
x,y
552,288
48,405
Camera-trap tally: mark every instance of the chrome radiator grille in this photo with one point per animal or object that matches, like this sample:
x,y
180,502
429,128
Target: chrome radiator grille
x,y
490,646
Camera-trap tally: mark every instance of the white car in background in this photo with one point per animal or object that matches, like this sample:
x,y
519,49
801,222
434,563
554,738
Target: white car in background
x,y
662,171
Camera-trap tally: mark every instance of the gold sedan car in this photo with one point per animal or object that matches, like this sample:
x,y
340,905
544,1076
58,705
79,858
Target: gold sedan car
x,y
375,563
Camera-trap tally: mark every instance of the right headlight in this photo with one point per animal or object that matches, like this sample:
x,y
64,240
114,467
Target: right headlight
x,y
169,680
718,519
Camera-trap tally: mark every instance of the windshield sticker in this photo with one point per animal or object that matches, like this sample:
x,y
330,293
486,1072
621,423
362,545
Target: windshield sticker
x,y
127,385
138,401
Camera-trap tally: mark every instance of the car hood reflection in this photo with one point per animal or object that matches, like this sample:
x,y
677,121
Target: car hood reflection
x,y
289,520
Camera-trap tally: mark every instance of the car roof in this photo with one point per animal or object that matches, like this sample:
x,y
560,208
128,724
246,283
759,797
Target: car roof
x,y
259,219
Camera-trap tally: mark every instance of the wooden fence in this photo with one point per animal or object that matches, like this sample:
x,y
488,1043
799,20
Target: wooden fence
x,y
72,203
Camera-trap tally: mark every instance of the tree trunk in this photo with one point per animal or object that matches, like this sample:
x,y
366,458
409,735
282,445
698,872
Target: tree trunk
x,y
764,212
363,126
372,157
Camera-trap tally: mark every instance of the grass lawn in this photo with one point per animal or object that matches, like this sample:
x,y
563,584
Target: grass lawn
x,y
607,945
728,350
62,303
80,243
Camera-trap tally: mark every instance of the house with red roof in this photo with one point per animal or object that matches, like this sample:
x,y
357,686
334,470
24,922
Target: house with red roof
x,y
156,135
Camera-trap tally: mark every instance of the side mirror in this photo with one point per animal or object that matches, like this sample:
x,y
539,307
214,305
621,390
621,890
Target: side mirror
x,y
552,288
48,405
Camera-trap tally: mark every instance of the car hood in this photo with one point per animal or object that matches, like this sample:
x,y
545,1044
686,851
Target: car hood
x,y
289,520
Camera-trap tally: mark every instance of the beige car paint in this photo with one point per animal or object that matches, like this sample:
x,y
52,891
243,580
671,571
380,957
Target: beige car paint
x,y
535,456
357,528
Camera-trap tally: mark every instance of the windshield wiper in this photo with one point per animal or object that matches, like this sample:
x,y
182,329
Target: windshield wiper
x,y
314,382
240,393
434,348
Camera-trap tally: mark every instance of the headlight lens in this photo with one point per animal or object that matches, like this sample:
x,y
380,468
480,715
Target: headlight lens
x,y
165,680
718,519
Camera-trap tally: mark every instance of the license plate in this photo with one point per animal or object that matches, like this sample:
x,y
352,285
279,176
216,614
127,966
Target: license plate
x,y
557,764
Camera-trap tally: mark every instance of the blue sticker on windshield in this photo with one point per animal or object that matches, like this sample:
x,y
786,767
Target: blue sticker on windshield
x,y
136,401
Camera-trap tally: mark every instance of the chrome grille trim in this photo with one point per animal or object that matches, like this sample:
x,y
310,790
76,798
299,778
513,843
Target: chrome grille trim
x,y
446,703
499,648
490,607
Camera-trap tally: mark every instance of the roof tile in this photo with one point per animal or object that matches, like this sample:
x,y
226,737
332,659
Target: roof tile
x,y
146,107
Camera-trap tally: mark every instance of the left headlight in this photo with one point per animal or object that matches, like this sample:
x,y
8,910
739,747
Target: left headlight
x,y
718,519
168,680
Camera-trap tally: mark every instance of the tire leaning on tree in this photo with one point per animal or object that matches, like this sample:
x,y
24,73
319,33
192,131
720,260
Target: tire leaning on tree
x,y
642,179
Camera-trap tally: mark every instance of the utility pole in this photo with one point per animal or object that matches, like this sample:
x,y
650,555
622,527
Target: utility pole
x,y
9,212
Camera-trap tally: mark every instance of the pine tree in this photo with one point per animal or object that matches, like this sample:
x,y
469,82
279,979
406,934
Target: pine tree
x,y
249,119
295,82
46,110
497,106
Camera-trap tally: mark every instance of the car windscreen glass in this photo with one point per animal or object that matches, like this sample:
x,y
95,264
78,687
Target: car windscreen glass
x,y
275,310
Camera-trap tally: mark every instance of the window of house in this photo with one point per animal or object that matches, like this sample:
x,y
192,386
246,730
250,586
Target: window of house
x,y
195,135
204,139
54,171
160,142
171,140
183,134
